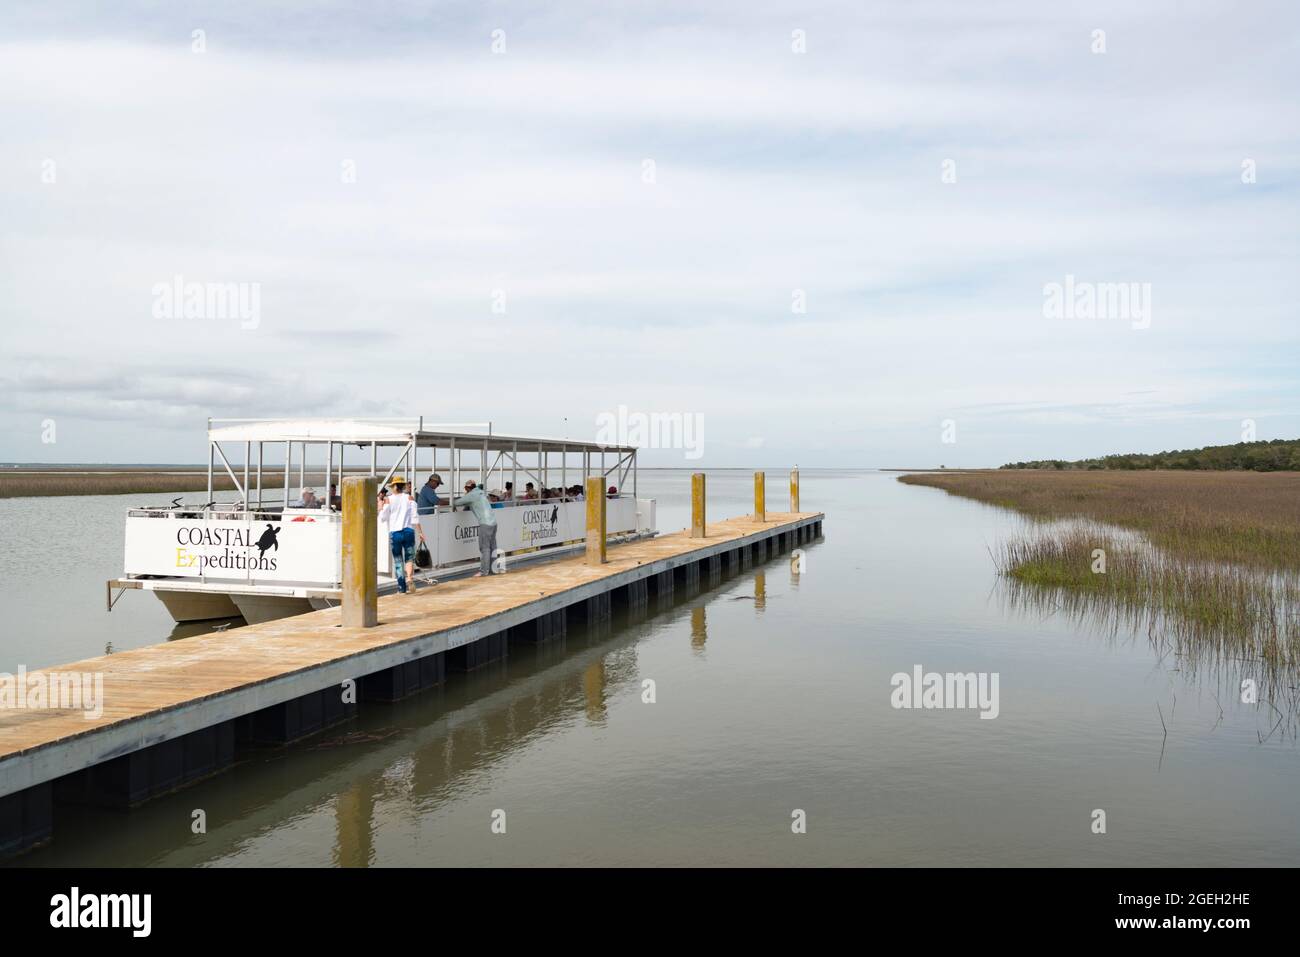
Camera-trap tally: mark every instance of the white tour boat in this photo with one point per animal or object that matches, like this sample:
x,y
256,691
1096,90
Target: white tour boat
x,y
261,556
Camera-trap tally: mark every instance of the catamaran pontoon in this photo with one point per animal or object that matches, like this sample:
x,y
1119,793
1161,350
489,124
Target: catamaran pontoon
x,y
262,557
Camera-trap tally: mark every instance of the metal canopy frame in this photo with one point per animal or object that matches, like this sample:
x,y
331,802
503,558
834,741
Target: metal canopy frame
x,y
409,435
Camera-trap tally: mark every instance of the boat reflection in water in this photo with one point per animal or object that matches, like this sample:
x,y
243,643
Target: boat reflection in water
x,y
188,629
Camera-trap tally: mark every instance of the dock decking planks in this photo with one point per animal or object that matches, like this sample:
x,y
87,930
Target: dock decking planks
x,y
148,682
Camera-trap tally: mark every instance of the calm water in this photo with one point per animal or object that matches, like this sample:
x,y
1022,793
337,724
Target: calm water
x,y
773,694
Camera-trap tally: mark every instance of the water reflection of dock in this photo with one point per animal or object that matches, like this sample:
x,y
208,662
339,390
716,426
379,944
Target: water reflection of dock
x,y
178,712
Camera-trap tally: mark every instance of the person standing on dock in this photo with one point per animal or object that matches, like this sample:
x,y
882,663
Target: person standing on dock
x,y
478,503
427,501
399,516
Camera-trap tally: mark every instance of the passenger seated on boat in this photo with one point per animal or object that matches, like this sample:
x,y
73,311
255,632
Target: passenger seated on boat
x,y
335,499
509,493
530,491
307,499
613,492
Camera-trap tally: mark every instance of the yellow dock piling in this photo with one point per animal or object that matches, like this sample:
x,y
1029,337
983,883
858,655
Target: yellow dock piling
x,y
360,552
760,497
794,489
596,521
697,505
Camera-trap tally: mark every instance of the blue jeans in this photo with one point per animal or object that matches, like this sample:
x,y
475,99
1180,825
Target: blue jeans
x,y
403,545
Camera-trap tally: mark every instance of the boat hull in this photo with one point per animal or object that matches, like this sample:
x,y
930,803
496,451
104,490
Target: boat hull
x,y
259,608
197,605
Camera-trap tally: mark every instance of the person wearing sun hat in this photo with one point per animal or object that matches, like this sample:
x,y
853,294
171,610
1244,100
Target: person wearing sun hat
x,y
399,516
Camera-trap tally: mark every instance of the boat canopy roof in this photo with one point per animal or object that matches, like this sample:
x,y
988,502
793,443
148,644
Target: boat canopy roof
x,y
393,432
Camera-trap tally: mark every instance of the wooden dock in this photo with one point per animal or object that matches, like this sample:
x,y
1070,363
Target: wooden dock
x,y
177,712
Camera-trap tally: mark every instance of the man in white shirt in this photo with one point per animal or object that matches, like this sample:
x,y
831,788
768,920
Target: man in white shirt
x,y
399,516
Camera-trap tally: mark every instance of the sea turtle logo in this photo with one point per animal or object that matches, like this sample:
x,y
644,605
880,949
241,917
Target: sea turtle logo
x,y
268,540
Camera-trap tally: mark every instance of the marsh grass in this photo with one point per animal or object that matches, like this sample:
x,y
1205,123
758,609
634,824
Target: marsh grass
x,y
1240,612
1245,518
1208,566
90,481
1218,624
40,484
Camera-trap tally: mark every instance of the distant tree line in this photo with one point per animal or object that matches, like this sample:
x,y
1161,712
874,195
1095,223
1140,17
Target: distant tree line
x,y
1278,455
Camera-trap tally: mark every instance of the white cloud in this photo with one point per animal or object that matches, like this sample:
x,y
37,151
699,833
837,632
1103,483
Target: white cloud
x,y
521,173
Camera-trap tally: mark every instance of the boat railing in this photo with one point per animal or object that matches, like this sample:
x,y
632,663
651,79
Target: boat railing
x,y
233,513
522,502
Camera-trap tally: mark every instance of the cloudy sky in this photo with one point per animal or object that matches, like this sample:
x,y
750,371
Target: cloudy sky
x,y
825,228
